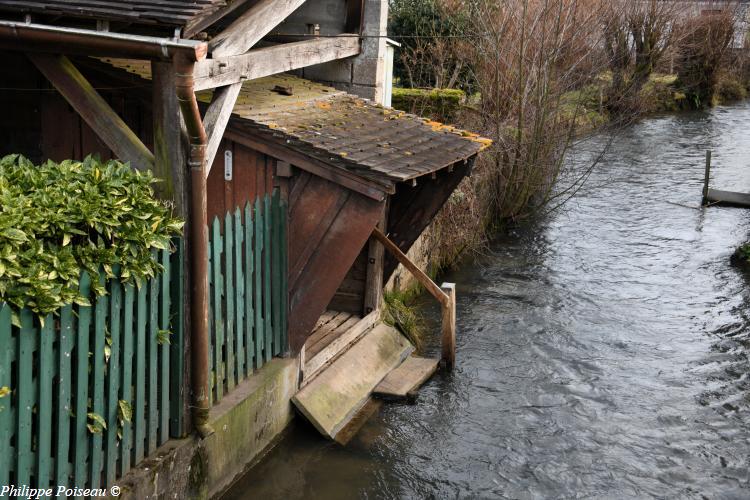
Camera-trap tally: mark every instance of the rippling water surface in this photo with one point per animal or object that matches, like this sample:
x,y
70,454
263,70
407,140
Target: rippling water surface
x,y
602,352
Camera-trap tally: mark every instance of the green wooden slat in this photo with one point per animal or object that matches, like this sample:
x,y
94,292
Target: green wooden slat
x,y
81,437
113,381
64,408
258,248
6,431
239,298
177,345
164,350
284,280
267,312
152,347
216,245
211,330
276,271
229,298
44,405
26,397
249,310
97,359
139,420
126,386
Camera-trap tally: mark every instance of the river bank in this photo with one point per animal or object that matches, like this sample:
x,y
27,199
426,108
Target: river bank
x,y
602,350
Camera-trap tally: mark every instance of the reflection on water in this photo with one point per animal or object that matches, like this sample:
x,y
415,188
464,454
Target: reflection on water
x,y
602,353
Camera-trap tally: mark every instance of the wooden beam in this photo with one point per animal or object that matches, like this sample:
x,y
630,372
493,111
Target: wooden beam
x,y
217,117
420,275
258,63
316,167
251,26
375,260
170,161
195,26
93,109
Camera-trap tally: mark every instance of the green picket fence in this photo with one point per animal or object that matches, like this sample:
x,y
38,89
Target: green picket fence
x,y
85,363
248,296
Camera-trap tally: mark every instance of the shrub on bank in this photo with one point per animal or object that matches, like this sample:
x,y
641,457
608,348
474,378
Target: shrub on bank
x,y
440,104
59,219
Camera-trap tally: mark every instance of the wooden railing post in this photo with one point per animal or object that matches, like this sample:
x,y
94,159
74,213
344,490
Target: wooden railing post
x,y
706,177
448,339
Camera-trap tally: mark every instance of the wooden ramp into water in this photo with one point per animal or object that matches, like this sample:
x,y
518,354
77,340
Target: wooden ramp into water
x,y
727,198
367,358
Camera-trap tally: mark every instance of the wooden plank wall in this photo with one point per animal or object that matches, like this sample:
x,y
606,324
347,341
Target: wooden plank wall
x,y
39,123
252,178
329,226
350,296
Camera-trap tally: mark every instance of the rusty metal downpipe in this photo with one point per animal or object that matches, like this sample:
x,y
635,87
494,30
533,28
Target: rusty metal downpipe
x,y
199,245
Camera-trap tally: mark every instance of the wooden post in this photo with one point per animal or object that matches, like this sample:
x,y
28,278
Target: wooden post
x,y
706,177
449,326
374,281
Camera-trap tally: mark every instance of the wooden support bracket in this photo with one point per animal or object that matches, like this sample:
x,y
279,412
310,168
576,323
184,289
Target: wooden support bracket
x,y
217,117
446,296
95,111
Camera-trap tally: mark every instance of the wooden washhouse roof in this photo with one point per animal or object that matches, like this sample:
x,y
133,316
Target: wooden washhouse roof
x,y
164,12
340,129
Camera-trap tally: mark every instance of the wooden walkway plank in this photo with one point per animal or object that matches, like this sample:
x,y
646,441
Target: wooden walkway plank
x,y
728,198
323,341
331,400
409,376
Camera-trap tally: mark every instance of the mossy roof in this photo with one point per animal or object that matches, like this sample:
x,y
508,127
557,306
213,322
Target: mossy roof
x,y
342,129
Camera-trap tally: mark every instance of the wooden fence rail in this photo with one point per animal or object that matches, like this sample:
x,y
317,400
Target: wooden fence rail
x,y
84,364
248,291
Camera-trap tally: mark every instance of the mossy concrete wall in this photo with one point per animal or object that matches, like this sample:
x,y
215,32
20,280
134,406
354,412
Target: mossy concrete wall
x,y
246,423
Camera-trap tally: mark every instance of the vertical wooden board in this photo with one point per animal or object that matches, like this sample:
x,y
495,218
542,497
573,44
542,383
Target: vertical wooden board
x,y
81,437
26,398
5,384
239,295
97,383
44,405
216,247
215,186
60,127
177,345
284,278
258,249
244,175
306,225
276,270
229,202
126,386
153,364
229,298
249,310
139,419
260,175
211,328
270,165
64,408
91,144
267,307
337,250
164,373
113,382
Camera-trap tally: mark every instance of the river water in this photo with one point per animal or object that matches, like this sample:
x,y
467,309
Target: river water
x,y
602,351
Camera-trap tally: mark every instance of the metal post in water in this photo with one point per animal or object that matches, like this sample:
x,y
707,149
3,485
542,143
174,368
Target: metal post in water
x,y
706,177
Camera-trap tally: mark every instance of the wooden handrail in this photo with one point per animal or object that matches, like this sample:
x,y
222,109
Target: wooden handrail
x,y
420,275
445,295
